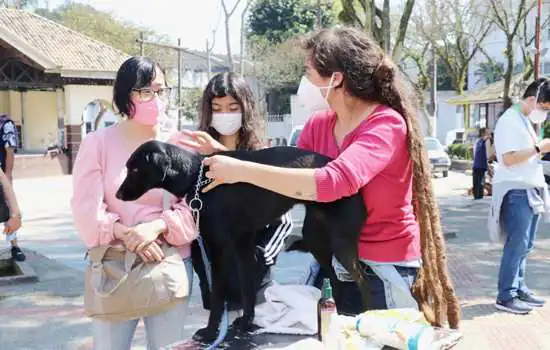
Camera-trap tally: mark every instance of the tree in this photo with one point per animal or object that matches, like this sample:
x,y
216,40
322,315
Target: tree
x,y
243,35
190,103
273,22
228,13
18,4
456,31
283,65
280,72
367,15
489,72
508,18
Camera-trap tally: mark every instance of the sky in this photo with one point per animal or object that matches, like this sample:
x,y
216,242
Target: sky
x,y
191,20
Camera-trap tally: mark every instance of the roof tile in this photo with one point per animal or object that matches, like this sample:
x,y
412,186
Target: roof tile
x,y
66,47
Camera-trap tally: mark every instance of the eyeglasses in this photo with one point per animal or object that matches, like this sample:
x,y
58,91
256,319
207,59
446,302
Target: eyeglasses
x,y
147,94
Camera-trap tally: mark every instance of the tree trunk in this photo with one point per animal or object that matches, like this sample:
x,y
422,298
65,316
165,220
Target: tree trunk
x,y
386,27
243,33
402,30
228,45
507,101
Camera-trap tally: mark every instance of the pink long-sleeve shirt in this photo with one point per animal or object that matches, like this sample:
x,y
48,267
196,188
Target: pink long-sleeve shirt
x,y
374,160
98,171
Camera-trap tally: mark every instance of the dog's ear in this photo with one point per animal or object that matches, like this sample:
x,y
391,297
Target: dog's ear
x,y
159,159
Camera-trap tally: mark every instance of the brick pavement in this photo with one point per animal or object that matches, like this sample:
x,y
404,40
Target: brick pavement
x,y
473,263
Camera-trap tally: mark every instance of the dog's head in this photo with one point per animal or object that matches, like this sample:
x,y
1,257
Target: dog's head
x,y
148,167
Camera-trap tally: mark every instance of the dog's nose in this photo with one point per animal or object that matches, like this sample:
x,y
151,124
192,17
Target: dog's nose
x,y
118,195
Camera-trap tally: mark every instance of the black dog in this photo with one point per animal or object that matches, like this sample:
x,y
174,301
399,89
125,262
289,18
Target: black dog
x,y
231,214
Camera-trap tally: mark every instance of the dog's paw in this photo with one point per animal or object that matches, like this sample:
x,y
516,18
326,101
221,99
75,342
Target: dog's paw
x,y
205,335
244,326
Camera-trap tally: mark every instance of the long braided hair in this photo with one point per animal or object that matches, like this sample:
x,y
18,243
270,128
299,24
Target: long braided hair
x,y
371,76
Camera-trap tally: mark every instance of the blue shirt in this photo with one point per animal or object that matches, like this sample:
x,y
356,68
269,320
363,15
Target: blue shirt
x,y
480,154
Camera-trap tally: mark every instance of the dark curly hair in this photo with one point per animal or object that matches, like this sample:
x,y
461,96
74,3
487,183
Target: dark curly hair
x,y
370,75
230,84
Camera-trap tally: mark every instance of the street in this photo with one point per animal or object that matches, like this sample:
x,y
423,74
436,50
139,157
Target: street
x,y
50,312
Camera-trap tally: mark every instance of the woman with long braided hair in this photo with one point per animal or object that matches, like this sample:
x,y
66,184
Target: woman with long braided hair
x,y
365,120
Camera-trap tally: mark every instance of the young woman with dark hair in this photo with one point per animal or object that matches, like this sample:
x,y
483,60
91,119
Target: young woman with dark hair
x,y
366,122
140,95
229,121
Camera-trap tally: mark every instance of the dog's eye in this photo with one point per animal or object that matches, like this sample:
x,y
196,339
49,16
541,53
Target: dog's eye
x,y
135,170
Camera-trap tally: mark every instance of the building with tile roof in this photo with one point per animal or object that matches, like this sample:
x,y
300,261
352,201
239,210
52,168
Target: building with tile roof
x,y
48,75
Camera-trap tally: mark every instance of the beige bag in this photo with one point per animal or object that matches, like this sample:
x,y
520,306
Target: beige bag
x,y
120,286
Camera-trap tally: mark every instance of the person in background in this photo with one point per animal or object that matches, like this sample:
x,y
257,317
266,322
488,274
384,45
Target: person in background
x,y
10,142
481,163
14,222
140,94
364,119
520,194
229,121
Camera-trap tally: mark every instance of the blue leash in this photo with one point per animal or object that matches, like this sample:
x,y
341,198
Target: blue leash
x,y
224,326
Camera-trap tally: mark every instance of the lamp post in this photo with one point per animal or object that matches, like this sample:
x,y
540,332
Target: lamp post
x,y
433,94
537,39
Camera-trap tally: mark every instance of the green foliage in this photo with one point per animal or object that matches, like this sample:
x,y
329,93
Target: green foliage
x,y
490,72
22,4
190,103
272,22
461,151
281,66
546,130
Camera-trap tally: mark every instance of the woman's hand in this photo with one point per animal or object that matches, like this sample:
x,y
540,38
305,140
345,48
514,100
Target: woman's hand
x,y
223,169
141,235
151,252
201,141
12,225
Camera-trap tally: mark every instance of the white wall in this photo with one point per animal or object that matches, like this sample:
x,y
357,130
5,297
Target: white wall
x,y
77,98
299,113
448,116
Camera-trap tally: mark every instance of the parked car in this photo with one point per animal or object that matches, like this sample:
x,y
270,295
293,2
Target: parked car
x,y
293,138
439,159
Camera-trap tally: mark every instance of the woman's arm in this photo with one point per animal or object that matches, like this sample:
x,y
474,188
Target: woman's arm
x,y
365,158
9,193
179,225
95,224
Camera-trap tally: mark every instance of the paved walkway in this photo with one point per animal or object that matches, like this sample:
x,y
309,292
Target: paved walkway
x,y
48,315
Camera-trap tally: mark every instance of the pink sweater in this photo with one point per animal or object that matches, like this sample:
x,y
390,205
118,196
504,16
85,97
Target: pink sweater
x,y
98,171
373,159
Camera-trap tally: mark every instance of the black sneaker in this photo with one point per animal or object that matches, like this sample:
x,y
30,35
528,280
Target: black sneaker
x,y
514,306
531,299
17,254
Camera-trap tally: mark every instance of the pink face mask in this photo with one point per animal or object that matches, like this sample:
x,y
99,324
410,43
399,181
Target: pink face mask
x,y
148,112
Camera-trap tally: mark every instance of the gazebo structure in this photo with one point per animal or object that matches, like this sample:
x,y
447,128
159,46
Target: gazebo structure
x,y
48,75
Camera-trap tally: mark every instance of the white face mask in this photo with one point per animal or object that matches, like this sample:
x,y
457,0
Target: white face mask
x,y
538,116
227,123
311,96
